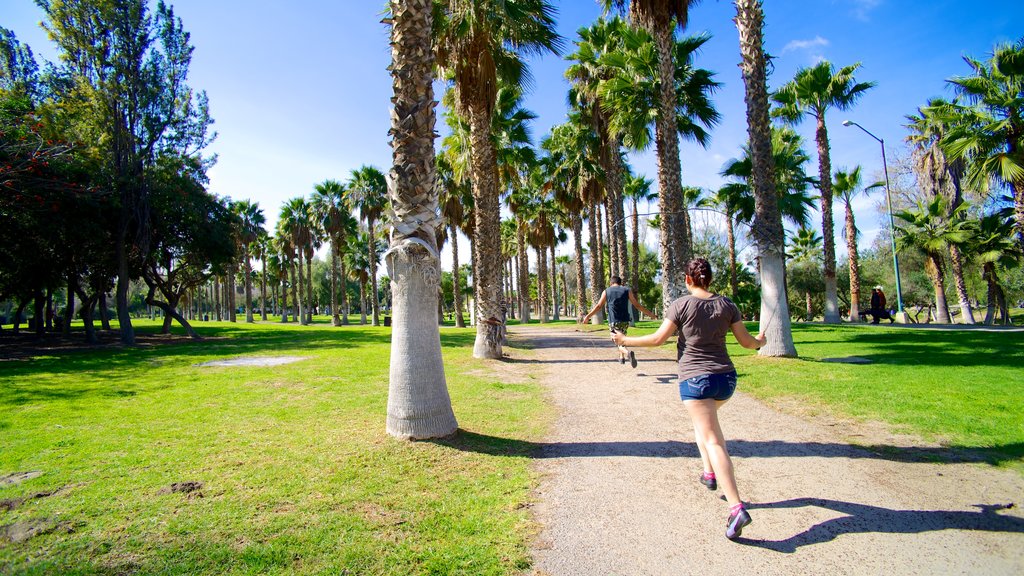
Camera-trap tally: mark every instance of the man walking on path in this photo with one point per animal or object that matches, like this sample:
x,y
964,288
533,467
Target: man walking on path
x,y
618,298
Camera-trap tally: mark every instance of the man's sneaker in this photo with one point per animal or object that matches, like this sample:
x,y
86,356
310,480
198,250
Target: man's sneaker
x,y
711,482
632,359
734,525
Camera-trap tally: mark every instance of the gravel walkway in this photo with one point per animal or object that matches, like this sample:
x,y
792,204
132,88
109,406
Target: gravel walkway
x,y
618,491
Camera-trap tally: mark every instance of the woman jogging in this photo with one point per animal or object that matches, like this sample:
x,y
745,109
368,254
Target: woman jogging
x,y
707,378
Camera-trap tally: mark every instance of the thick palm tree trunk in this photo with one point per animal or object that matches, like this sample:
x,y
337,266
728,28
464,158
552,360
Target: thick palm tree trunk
x,y
542,284
554,286
300,312
767,229
335,316
418,402
362,302
674,248
487,282
939,284
827,223
852,256
956,263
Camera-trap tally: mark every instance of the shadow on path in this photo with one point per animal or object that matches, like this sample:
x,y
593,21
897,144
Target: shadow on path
x,y
863,518
496,446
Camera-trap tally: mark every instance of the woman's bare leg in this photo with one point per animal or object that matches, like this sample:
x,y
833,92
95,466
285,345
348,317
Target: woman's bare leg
x,y
704,414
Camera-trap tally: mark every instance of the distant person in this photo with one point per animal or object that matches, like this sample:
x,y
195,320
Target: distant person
x,y
878,309
707,377
618,298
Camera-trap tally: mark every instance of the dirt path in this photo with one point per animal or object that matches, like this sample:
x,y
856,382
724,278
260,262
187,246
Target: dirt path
x,y
619,495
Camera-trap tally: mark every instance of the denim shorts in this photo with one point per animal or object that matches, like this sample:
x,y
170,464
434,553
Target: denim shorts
x,y
705,386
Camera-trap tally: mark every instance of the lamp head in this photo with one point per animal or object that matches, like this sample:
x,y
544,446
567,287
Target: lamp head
x,y
847,123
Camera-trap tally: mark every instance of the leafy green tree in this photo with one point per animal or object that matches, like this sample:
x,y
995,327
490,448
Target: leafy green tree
x,y
127,69
812,92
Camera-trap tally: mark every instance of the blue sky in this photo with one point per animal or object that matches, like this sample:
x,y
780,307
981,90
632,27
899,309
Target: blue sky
x,y
300,91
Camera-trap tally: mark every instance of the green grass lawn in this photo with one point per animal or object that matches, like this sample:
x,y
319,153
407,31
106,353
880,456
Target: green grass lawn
x,y
298,475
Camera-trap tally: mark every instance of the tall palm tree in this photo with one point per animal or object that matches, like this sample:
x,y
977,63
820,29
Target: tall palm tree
x,y
261,252
805,250
455,200
252,219
633,94
767,228
368,191
992,242
637,189
295,222
812,92
418,402
846,187
928,228
476,43
660,18
334,216
939,176
991,129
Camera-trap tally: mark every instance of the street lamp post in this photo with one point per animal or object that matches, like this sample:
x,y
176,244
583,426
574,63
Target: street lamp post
x,y
892,226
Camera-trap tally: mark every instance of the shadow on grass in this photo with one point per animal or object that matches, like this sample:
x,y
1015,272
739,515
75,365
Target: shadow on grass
x,y
473,442
865,519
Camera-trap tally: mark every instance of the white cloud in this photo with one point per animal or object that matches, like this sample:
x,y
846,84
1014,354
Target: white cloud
x,y
861,8
805,44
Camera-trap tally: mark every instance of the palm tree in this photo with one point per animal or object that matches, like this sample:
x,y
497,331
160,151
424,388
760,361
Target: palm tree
x,y
939,176
633,94
660,18
333,215
846,187
930,230
812,92
637,189
368,191
476,43
455,200
805,250
252,220
767,228
357,261
295,223
418,402
993,244
991,130
261,252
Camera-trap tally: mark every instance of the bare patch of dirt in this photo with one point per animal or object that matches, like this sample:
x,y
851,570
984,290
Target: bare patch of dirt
x,y
191,488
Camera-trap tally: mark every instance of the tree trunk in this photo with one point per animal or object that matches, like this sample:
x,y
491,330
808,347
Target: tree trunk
x,y
344,290
124,319
523,263
595,261
309,289
69,310
809,305
375,305
939,284
554,286
581,282
634,274
851,253
456,279
674,247
487,234
542,284
362,302
297,291
263,289
956,263
248,285
767,229
828,233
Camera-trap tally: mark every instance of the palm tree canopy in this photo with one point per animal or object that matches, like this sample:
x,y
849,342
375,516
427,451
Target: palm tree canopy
x,y
368,191
931,227
846,184
479,42
816,89
652,13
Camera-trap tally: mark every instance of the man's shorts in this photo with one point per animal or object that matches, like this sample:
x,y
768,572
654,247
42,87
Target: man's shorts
x,y
705,386
619,327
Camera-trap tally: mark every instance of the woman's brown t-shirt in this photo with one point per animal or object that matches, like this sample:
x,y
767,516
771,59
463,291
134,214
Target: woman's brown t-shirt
x,y
703,324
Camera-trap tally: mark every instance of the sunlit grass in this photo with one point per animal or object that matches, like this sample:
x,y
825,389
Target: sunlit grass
x,y
298,474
